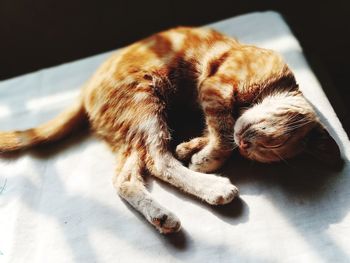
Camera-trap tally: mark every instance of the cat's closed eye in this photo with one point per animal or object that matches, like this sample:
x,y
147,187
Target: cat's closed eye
x,y
274,143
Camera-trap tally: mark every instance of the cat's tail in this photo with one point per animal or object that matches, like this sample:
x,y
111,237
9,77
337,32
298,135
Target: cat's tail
x,y
53,130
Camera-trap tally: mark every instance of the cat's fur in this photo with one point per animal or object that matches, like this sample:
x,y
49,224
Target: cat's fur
x,y
126,101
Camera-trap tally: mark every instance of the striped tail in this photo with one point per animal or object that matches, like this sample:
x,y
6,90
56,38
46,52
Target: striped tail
x,y
53,130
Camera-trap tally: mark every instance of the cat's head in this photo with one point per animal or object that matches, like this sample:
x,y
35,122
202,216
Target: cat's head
x,y
280,127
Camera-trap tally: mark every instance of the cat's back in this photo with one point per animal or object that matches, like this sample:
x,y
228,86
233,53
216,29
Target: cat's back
x,y
161,53
172,55
180,40
166,48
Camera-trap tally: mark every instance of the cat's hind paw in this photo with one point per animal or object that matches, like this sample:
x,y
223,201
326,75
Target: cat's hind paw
x,y
166,223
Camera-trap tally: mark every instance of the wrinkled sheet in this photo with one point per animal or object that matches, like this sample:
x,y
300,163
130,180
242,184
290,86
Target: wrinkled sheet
x,y
57,203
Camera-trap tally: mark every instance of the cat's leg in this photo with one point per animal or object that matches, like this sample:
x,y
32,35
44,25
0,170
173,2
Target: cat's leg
x,y
129,184
148,133
216,98
185,150
213,189
162,164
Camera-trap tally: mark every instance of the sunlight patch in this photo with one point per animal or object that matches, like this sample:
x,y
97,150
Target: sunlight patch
x,y
44,102
282,44
4,111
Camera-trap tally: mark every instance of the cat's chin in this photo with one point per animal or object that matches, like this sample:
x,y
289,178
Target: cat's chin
x,y
256,157
249,156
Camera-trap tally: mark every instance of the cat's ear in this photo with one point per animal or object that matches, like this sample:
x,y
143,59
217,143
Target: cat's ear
x,y
320,144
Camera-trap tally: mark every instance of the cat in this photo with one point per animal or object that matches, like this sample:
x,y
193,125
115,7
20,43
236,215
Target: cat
x,y
127,99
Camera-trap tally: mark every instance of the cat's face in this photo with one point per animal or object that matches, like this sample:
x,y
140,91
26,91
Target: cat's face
x,y
279,128
271,138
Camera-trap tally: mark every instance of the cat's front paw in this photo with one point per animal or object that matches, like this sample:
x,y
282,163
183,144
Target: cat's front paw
x,y
220,191
165,221
208,160
205,164
185,150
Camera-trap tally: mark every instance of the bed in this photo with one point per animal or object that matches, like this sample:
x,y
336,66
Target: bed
x,y
57,203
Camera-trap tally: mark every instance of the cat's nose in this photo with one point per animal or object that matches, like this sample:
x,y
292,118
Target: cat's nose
x,y
243,144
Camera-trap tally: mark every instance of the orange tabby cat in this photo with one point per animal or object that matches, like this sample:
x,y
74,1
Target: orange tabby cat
x,y
126,102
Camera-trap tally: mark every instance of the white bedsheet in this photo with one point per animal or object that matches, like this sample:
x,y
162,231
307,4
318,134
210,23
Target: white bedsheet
x,y
58,204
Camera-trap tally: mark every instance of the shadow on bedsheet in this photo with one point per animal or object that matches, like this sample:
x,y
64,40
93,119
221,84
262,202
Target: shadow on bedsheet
x,y
299,189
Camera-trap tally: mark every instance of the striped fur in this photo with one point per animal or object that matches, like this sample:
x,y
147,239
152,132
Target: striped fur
x,y
126,102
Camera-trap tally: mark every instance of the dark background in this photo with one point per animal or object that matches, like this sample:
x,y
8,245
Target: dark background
x,y
43,33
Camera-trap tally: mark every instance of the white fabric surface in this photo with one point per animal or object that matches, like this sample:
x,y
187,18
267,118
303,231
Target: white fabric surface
x,y
59,205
